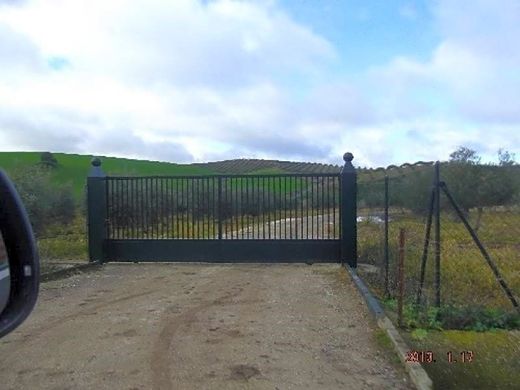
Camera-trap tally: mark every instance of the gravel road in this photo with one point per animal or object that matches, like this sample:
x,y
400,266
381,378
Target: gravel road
x,y
200,326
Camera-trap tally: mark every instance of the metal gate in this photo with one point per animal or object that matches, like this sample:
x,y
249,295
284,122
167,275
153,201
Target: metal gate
x,y
223,218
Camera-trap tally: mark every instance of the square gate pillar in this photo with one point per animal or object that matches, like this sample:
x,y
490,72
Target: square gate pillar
x,y
348,209
96,212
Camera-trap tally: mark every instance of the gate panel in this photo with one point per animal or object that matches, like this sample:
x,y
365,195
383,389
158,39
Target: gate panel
x,y
290,217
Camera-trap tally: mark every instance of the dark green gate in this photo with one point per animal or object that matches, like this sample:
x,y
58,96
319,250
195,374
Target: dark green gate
x,y
223,218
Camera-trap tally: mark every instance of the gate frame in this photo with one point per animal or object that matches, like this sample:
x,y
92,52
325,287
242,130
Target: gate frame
x,y
221,250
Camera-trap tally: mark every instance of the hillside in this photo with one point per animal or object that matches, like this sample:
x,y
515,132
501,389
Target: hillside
x,y
246,166
73,168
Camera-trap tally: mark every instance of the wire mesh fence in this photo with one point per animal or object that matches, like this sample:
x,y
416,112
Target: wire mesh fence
x,y
461,264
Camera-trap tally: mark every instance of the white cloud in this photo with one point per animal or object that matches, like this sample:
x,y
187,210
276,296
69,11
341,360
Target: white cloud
x,y
181,73
189,80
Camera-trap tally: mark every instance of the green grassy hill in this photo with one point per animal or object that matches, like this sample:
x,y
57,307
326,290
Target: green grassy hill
x,y
73,168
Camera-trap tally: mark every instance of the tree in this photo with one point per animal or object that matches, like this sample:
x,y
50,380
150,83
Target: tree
x,y
48,160
465,155
475,185
505,158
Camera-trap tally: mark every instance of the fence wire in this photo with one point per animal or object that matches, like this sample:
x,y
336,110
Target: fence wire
x,y
471,273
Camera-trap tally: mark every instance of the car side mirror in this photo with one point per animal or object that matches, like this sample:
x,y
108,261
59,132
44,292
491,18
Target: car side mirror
x,y
19,261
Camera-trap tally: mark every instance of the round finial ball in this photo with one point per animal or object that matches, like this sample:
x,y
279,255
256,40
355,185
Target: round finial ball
x,y
96,162
348,157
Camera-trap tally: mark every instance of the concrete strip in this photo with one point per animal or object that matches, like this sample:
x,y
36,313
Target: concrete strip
x,y
417,373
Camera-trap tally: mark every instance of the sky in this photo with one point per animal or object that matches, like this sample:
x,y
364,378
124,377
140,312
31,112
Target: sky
x,y
191,81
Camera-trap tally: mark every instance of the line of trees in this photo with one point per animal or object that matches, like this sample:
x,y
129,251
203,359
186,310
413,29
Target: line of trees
x,y
474,185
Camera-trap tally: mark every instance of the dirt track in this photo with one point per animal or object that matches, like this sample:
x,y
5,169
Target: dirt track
x,y
190,326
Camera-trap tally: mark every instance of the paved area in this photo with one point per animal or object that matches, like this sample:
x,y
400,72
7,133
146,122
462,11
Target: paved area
x,y
199,326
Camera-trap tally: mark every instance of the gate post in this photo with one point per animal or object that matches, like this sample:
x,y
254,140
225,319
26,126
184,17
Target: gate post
x,y
348,209
96,212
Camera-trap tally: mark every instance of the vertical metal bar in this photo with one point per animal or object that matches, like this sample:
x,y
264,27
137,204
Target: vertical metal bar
x,y
285,206
437,236
176,207
214,206
334,205
184,207
269,206
252,207
139,193
128,222
130,207
203,207
196,206
307,208
328,207
258,208
147,209
156,209
263,208
161,216
226,204
143,207
295,200
281,208
169,199
386,256
322,182
191,197
120,225
152,208
219,208
289,211
238,209
301,206
113,209
400,277
133,208
137,207
312,207
137,211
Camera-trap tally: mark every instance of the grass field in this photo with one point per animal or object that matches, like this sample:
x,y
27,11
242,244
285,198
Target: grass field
x,y
73,168
466,278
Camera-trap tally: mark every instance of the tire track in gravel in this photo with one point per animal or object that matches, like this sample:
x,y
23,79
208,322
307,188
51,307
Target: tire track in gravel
x,y
91,310
161,364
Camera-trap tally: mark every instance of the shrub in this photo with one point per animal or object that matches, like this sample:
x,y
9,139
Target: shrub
x,y
45,202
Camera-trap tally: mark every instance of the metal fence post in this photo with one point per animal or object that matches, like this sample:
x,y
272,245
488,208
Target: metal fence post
x,y
400,277
96,212
437,236
387,260
348,179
